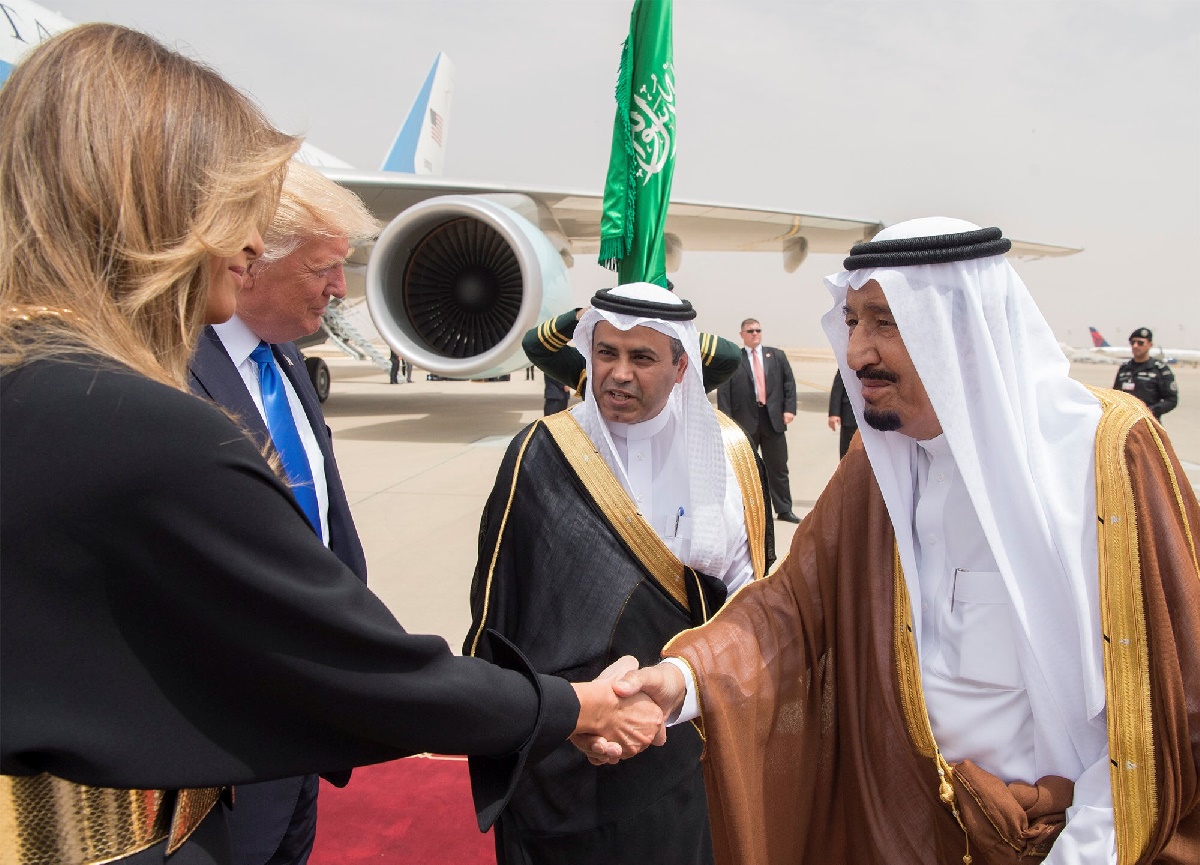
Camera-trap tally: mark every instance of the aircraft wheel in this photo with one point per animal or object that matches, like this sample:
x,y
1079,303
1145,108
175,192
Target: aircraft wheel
x,y
318,371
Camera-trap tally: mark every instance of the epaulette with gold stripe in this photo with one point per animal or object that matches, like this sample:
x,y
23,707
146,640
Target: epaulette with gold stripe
x,y
549,336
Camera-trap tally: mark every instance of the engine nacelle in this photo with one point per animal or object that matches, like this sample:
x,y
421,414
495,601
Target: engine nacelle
x,y
454,283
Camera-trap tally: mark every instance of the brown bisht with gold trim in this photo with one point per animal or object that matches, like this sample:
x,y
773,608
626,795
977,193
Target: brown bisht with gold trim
x,y
573,575
818,743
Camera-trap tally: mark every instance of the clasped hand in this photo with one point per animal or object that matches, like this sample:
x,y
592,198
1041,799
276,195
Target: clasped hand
x,y
624,710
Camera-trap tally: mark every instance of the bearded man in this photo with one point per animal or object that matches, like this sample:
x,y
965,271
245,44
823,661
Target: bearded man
x,y
984,643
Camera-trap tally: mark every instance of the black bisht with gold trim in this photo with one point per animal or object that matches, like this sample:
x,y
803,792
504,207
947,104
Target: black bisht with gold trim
x,y
557,579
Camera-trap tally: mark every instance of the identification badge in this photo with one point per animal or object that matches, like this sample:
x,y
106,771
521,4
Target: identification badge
x,y
1128,385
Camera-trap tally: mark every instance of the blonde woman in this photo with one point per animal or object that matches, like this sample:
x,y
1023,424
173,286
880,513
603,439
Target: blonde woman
x,y
169,623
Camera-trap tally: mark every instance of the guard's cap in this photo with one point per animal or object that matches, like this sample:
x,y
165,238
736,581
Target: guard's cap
x,y
1142,333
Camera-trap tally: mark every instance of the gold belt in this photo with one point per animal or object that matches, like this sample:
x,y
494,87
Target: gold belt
x,y
45,820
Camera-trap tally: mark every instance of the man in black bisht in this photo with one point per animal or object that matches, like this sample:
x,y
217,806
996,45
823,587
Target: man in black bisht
x,y
612,527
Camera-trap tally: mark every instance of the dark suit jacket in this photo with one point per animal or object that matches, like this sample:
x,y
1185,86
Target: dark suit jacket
x,y
736,397
839,403
264,812
212,374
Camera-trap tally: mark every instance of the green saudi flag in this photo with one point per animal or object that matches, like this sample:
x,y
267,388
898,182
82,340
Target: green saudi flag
x,y
643,150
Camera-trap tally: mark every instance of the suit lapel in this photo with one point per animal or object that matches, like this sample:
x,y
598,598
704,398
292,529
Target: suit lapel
x,y
214,376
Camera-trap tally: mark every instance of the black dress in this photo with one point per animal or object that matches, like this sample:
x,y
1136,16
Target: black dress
x,y
168,619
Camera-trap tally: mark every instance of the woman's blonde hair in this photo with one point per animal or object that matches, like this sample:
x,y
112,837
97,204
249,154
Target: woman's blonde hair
x,y
124,167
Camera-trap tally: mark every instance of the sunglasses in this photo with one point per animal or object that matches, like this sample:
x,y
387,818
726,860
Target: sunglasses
x,y
1138,341
754,330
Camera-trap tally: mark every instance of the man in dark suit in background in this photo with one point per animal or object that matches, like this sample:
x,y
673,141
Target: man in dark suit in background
x,y
250,367
761,398
556,394
841,414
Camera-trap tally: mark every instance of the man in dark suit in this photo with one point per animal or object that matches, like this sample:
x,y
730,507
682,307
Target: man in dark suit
x,y
556,396
250,366
841,414
761,398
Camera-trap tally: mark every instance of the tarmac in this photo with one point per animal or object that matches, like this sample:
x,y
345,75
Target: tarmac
x,y
419,459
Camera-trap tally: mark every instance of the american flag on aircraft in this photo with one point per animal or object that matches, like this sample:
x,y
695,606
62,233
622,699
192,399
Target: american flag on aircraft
x,y
435,126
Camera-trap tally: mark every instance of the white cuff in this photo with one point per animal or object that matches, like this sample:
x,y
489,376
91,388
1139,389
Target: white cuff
x,y
1090,836
691,705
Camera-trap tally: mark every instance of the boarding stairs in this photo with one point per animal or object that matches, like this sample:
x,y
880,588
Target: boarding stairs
x,y
342,333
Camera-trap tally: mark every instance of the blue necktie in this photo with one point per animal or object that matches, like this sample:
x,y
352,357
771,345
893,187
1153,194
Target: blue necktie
x,y
284,434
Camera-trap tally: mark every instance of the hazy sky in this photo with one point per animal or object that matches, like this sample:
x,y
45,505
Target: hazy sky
x,y
1076,123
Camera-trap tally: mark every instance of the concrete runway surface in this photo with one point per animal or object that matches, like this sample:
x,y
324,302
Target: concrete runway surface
x,y
419,461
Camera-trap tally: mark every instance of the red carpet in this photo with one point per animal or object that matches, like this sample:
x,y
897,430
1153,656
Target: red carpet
x,y
415,811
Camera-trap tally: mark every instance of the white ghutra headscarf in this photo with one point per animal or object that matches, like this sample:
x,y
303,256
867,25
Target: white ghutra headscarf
x,y
697,430
1022,434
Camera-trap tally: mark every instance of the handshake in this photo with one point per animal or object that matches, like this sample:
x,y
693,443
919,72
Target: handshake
x,y
624,710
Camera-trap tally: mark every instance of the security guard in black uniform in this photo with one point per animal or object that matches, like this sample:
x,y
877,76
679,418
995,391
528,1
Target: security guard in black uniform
x,y
1151,381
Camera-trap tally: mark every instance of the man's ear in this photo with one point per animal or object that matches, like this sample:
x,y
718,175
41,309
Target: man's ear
x,y
683,365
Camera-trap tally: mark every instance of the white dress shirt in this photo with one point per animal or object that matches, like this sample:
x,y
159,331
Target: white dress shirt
x,y
658,481
974,689
239,342
762,361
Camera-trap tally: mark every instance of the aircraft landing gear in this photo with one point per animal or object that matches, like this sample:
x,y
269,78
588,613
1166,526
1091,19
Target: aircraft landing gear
x,y
318,371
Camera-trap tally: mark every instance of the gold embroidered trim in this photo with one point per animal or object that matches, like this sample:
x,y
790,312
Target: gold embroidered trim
x,y
617,507
745,469
487,592
908,670
912,694
708,348
1123,623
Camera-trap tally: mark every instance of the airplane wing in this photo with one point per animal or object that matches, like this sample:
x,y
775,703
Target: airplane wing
x,y
1026,251
572,218
433,263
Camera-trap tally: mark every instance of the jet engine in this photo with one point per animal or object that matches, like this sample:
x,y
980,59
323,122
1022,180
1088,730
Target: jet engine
x,y
454,282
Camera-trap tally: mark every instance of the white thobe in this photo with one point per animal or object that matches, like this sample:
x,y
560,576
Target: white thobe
x,y
657,473
974,689
239,342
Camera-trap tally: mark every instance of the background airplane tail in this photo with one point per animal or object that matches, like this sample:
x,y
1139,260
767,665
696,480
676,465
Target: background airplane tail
x,y
23,24
1098,340
420,145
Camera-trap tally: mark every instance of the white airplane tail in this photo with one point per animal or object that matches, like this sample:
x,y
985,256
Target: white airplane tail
x,y
24,24
420,145
318,158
